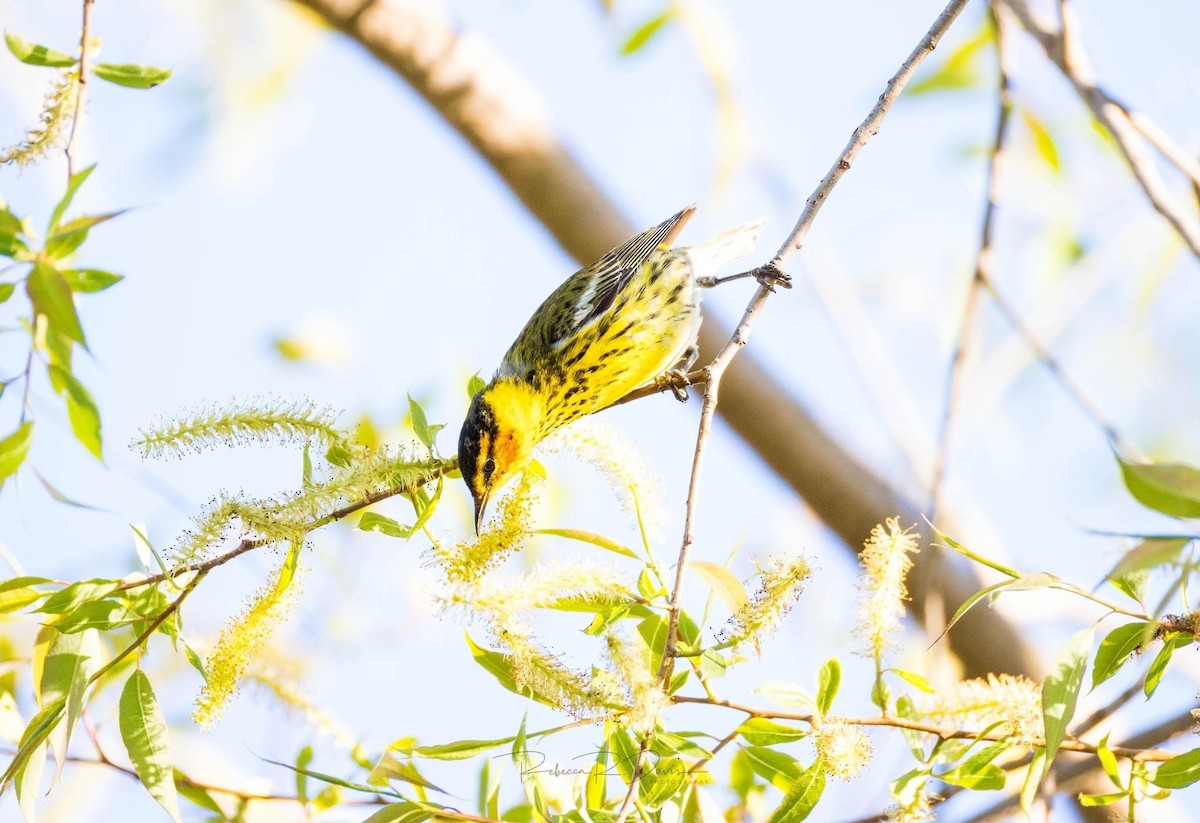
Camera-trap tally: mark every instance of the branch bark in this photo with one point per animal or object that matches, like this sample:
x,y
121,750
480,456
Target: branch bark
x,y
500,116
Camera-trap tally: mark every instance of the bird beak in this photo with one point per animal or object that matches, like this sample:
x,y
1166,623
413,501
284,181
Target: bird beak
x,y
480,506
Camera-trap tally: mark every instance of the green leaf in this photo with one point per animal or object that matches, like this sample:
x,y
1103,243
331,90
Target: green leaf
x,y
81,410
668,743
1152,552
36,55
597,540
332,781
1033,779
69,663
1042,141
1158,667
723,583
788,695
131,76
624,753
193,793
19,592
475,385
645,32
372,522
388,768
500,668
32,738
802,797
1170,488
76,594
1101,799
979,777
403,812
6,289
72,234
61,207
13,450
460,750
420,423
1179,772
28,782
51,296
959,71
1115,649
661,783
96,614
144,731
653,631
1108,762
1060,691
779,769
759,731
13,246
828,681
914,679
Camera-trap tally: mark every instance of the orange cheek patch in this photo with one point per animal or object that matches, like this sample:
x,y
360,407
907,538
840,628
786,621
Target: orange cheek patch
x,y
506,451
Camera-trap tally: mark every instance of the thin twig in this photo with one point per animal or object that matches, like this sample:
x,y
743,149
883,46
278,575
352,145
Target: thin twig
x,y
767,273
1070,744
981,275
1065,48
81,86
248,544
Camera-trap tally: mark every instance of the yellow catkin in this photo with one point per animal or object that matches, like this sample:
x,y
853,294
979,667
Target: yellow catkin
x,y
542,673
237,646
617,460
58,110
780,582
1015,702
467,562
882,590
646,697
844,749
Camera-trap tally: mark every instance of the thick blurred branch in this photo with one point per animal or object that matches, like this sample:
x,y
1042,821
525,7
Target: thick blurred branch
x,y
501,116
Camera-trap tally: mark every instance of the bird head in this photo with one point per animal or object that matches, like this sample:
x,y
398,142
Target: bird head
x,y
496,442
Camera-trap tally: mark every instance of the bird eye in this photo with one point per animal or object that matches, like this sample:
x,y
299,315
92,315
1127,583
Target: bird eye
x,y
489,466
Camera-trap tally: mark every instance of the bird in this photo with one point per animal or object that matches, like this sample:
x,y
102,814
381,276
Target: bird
x,y
610,328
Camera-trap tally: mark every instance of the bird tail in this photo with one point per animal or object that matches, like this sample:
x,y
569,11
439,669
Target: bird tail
x,y
707,257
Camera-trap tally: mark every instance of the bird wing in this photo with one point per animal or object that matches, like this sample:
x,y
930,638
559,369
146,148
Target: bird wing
x,y
587,295
603,281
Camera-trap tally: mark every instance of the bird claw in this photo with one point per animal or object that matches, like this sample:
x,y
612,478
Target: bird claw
x,y
675,380
770,276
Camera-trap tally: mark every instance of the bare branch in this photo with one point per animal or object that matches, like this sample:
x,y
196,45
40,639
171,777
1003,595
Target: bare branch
x,y
85,35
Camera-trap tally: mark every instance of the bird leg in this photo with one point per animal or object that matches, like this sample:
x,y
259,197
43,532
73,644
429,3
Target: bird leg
x,y
676,379
767,274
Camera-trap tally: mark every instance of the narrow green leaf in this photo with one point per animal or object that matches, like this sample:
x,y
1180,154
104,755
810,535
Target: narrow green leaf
x,y
653,631
373,522
475,384
28,782
333,781
788,695
1158,667
759,731
420,423
6,289
13,450
1149,554
61,207
51,297
1170,488
1108,761
828,681
667,743
1060,691
624,753
194,794
19,592
388,768
1115,649
1043,141
723,583
76,594
1179,772
660,783
144,731
71,662
802,798
81,410
1033,779
403,812
498,665
779,769
988,777
37,55
1101,799
914,679
14,247
598,540
131,76
645,32
35,735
